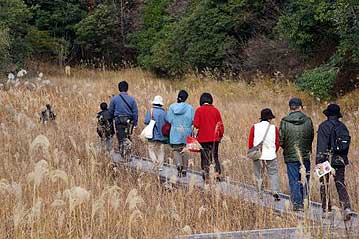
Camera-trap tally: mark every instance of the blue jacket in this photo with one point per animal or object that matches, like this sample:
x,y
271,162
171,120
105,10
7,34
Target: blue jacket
x,y
119,108
180,116
159,115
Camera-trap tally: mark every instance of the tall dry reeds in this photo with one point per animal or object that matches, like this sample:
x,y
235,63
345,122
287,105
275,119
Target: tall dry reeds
x,y
54,182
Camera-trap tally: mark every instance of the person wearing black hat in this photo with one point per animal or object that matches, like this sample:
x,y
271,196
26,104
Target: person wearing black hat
x,y
180,115
333,146
268,134
296,137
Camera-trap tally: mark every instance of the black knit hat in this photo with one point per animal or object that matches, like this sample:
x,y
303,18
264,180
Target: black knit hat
x,y
267,114
182,96
333,110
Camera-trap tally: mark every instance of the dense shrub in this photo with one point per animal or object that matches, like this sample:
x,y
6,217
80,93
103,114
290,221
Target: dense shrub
x,y
4,49
307,24
14,16
346,18
45,46
319,81
207,37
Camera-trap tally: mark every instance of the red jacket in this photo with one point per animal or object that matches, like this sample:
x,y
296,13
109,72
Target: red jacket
x,y
208,121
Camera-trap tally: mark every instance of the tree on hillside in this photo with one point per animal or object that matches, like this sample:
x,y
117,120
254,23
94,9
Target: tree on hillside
x,y
4,49
207,35
53,32
329,28
14,16
103,34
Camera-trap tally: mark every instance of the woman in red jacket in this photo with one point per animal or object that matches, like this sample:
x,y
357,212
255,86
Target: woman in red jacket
x,y
208,121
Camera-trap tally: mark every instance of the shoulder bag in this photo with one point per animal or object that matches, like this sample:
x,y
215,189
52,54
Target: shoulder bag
x,y
147,132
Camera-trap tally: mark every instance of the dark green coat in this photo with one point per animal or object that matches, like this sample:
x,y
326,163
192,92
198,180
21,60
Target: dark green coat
x,y
296,132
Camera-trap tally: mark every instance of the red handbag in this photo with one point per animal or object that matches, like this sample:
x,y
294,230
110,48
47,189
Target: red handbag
x,y
193,145
166,129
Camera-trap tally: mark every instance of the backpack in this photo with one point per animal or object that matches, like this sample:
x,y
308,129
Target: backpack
x,y
340,139
340,142
103,126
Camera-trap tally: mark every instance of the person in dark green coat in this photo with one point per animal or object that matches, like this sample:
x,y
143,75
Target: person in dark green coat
x,y
296,137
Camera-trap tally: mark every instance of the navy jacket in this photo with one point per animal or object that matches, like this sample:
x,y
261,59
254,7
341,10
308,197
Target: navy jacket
x,y
119,108
324,143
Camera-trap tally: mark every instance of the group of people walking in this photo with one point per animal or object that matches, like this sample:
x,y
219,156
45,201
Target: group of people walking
x,y
295,136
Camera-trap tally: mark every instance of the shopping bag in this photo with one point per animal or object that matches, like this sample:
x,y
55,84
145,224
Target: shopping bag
x,y
193,145
147,132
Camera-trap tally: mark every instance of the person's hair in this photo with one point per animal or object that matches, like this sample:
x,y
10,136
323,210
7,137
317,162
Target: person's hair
x,y
48,106
295,107
206,98
182,96
123,86
103,106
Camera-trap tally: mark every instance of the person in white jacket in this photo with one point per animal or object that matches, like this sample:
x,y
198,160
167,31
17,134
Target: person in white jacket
x,y
268,159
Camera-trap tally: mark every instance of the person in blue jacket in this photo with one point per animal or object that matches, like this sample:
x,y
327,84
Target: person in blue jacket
x,y
156,144
180,115
123,108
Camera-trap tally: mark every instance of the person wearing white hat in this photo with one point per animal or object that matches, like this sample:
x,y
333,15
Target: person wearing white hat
x,y
156,143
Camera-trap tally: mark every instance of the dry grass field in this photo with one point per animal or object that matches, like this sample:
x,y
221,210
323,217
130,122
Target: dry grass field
x,y
56,184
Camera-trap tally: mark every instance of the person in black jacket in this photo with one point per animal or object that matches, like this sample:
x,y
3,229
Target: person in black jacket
x,y
105,128
327,135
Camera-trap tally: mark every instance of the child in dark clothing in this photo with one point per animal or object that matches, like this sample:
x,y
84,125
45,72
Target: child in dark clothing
x,y
47,115
105,128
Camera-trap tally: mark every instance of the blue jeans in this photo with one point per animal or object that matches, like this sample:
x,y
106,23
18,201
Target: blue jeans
x,y
297,190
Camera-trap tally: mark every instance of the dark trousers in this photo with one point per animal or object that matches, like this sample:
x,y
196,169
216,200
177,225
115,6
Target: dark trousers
x,y
208,154
297,190
339,179
122,132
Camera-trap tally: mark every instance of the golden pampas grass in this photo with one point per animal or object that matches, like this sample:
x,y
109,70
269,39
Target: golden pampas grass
x,y
186,230
5,186
35,211
58,203
58,175
41,170
136,214
19,213
76,196
41,141
97,206
201,211
134,200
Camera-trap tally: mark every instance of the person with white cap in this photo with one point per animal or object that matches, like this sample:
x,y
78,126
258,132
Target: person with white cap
x,y
156,144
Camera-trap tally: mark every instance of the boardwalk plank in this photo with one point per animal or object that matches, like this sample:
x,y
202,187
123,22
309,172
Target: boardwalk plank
x,y
246,193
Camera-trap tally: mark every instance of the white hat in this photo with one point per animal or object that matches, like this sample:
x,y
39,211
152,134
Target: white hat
x,y
158,100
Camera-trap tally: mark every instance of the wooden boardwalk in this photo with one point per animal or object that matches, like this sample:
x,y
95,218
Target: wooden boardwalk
x,y
246,193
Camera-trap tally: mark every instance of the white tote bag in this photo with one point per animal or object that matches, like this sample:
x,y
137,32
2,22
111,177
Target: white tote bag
x,y
147,132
